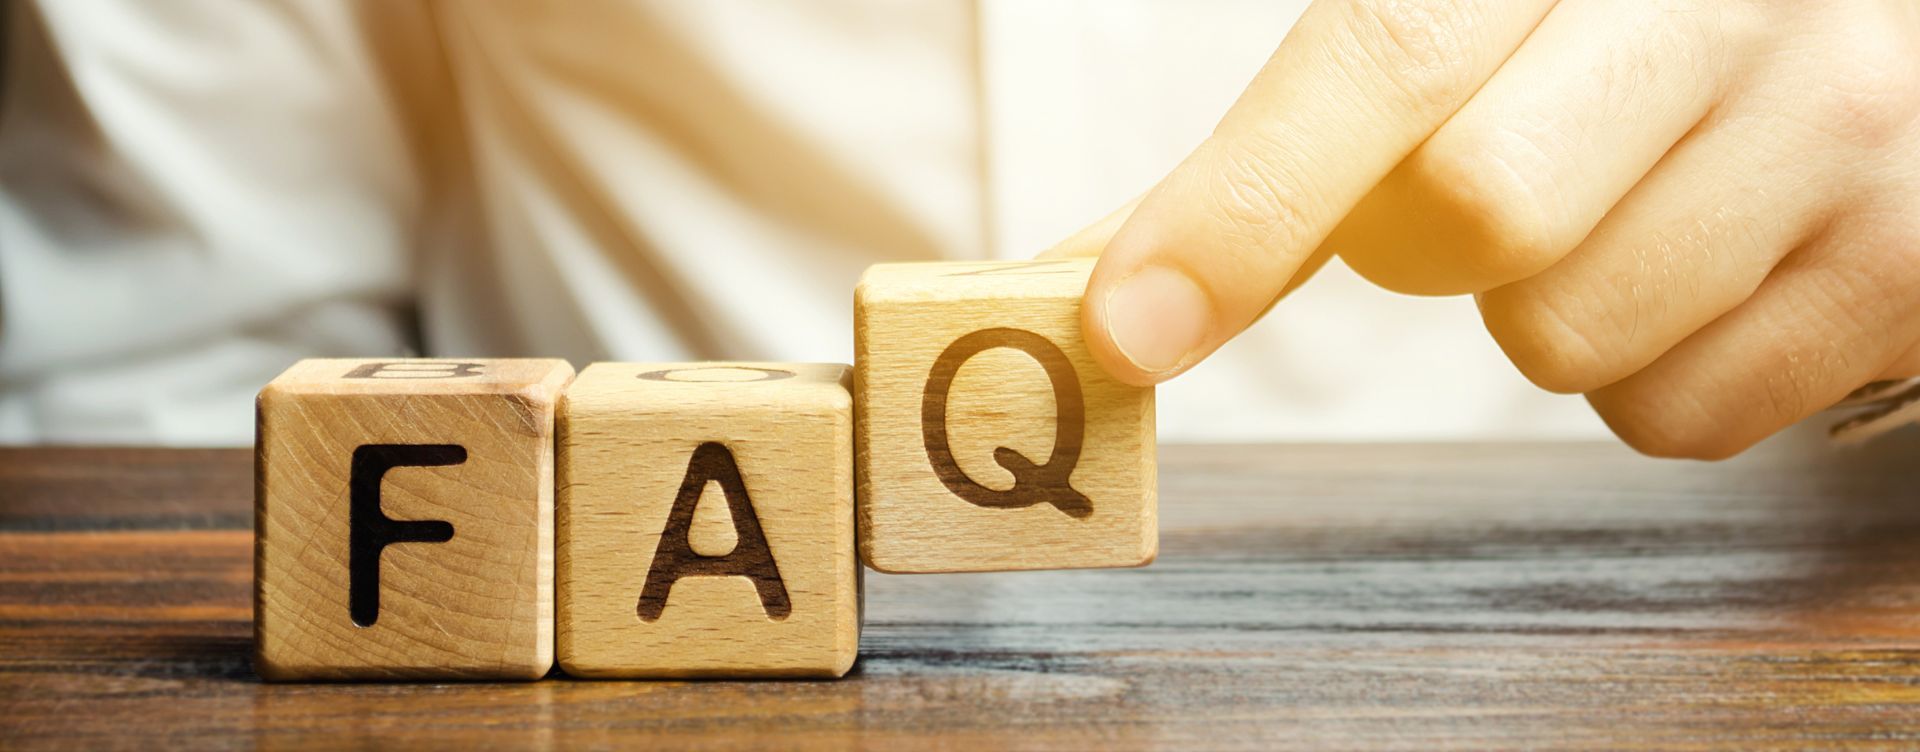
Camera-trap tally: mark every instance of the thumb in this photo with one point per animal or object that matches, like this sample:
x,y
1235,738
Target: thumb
x,y
1199,259
1238,222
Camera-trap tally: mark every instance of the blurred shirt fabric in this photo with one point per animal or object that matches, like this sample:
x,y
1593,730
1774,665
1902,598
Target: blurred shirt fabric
x,y
195,193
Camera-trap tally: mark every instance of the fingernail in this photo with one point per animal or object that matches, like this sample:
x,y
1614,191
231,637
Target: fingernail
x,y
1157,317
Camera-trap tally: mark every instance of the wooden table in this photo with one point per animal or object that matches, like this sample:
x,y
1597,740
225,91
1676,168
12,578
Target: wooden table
x,y
1414,597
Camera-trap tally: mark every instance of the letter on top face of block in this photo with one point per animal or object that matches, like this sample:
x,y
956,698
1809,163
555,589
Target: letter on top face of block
x,y
706,521
988,437
404,513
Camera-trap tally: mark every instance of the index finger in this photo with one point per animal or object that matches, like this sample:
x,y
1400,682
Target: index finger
x,y
1351,91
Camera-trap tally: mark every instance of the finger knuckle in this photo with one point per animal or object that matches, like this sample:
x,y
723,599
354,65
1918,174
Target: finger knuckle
x,y
1873,90
1256,201
1486,215
1420,45
1663,439
1839,303
1653,426
1554,347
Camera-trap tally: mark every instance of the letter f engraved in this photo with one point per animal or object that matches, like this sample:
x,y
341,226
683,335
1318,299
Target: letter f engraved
x,y
370,530
1032,483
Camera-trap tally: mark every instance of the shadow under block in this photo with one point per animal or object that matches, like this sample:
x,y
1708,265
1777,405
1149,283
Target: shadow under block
x,y
404,513
706,521
988,438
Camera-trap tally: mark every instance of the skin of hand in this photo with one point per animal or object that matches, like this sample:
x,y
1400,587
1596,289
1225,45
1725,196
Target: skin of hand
x,y
1704,215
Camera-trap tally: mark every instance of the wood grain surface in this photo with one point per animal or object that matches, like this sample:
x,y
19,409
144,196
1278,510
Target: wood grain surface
x,y
706,521
966,372
1306,597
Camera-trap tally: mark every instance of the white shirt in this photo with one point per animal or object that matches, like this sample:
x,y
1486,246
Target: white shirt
x,y
195,193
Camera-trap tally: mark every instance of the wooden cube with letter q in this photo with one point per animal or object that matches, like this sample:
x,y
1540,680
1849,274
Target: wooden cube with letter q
x,y
404,519
988,437
706,521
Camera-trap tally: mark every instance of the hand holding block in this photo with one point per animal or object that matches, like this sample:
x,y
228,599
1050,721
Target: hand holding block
x,y
706,521
988,437
404,513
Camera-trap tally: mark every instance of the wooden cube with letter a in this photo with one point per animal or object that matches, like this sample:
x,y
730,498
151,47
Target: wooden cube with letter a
x,y
405,519
988,437
706,521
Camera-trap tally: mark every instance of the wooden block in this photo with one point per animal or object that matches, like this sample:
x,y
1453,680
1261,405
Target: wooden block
x,y
706,521
988,437
404,513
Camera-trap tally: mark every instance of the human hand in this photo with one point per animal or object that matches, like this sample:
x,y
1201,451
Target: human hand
x,y
1702,214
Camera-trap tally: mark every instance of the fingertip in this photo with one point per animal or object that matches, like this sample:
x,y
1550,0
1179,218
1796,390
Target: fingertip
x,y
1148,325
1100,344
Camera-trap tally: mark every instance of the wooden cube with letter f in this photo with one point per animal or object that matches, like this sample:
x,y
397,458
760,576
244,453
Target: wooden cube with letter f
x,y
404,519
988,437
706,521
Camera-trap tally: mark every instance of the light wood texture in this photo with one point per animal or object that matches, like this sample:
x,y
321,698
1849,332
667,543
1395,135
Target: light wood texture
x,y
353,454
1410,597
937,487
706,521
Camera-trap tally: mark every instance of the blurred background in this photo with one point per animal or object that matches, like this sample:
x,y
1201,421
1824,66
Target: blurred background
x,y
196,193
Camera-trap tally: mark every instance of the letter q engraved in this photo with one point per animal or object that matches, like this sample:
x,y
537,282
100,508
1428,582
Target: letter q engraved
x,y
1032,483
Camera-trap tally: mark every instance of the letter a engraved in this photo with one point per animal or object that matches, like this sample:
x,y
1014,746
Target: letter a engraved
x,y
1032,484
370,530
751,557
